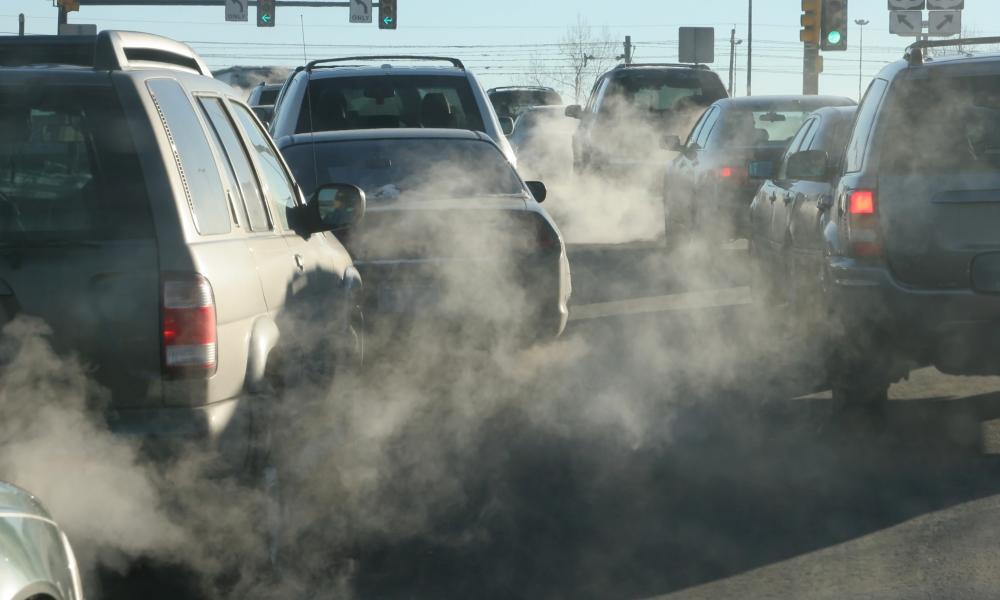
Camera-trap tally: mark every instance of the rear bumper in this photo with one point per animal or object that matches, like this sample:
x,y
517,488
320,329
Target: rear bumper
x,y
221,431
956,330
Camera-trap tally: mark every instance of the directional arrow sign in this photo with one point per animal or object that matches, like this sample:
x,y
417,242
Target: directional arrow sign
x,y
906,4
945,4
387,20
906,22
361,11
944,22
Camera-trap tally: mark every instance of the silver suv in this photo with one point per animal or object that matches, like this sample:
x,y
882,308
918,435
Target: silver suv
x,y
346,93
149,220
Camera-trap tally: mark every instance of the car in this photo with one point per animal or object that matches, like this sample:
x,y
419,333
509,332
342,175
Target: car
x,y
262,98
913,256
512,101
631,107
38,560
149,220
707,188
786,224
542,142
452,234
346,93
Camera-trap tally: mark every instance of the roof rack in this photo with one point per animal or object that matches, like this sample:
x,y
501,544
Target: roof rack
x,y
520,87
107,51
914,53
688,65
324,61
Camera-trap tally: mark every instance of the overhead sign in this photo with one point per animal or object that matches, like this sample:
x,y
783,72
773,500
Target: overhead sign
x,y
77,29
944,22
237,10
906,4
697,45
906,22
361,11
945,4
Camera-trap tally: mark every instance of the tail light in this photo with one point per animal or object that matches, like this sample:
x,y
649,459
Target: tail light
x,y
190,337
735,174
863,234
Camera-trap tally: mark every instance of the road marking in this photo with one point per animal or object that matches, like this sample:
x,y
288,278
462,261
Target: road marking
x,y
733,296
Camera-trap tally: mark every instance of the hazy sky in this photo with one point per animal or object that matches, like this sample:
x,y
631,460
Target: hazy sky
x,y
499,38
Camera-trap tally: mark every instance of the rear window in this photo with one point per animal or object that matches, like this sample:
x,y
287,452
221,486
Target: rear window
x,y
760,127
268,96
513,103
68,167
660,91
341,103
419,168
942,125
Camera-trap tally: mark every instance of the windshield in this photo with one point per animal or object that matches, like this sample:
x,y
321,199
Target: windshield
x,y
513,103
410,168
388,101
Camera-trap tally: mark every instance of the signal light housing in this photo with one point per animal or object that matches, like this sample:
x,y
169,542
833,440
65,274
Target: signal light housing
x,y
810,20
833,26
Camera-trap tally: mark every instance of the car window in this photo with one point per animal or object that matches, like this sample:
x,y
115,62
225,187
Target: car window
x,y
855,154
816,125
663,91
706,130
341,103
251,196
696,130
514,103
598,91
808,129
193,156
414,168
280,189
68,167
766,127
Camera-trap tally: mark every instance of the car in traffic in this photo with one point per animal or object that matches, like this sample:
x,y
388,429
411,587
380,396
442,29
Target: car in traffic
x,y
149,220
262,98
38,561
632,107
542,141
512,101
707,188
913,257
338,94
452,234
787,213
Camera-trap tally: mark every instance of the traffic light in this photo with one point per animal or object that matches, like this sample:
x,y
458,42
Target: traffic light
x,y
811,12
69,5
265,13
387,14
833,27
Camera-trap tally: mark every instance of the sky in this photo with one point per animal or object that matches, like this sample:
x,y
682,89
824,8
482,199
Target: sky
x,y
502,41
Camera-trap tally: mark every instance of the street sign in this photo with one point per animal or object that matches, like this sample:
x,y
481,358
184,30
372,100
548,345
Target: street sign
x,y
945,4
906,4
237,10
697,45
944,22
361,11
77,29
265,13
906,22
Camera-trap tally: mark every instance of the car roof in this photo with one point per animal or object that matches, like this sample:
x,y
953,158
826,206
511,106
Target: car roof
x,y
414,133
783,102
520,88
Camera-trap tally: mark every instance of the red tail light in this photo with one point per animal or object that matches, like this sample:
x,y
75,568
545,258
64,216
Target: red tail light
x,y
726,172
863,233
190,344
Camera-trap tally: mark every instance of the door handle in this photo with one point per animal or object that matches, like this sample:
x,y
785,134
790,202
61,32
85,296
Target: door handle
x,y
300,262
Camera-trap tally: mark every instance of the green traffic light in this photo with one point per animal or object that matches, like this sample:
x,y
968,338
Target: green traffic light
x,y
833,37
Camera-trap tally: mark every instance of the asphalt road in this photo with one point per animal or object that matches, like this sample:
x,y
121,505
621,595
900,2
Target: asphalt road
x,y
667,446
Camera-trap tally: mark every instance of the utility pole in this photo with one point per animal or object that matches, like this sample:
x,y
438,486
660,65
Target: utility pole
x,y
733,42
20,24
749,43
861,51
628,49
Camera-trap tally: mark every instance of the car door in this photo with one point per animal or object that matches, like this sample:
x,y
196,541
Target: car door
x,y
685,166
782,195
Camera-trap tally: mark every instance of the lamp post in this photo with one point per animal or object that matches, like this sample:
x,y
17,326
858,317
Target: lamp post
x,y
861,51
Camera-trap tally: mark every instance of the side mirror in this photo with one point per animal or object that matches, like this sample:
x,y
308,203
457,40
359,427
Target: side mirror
x,y
507,125
332,207
574,111
810,165
537,189
760,169
672,143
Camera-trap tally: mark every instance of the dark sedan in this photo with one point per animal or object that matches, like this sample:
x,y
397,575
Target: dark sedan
x,y
708,187
451,234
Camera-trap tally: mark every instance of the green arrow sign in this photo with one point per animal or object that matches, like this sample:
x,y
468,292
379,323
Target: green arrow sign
x,y
387,20
266,18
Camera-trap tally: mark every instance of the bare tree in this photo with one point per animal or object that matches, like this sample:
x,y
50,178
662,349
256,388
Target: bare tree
x,y
583,55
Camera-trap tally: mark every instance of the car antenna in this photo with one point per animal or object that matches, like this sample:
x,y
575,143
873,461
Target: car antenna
x,y
309,107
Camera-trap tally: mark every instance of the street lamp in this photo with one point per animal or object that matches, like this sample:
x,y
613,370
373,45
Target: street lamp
x,y
861,50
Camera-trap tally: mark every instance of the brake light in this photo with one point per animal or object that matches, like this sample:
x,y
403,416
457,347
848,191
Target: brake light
x,y
863,234
190,337
726,172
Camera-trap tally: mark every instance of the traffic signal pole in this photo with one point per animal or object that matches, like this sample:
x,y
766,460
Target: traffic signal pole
x,y
810,69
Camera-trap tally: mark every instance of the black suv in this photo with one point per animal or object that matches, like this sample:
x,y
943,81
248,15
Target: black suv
x,y
913,267
633,107
149,220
